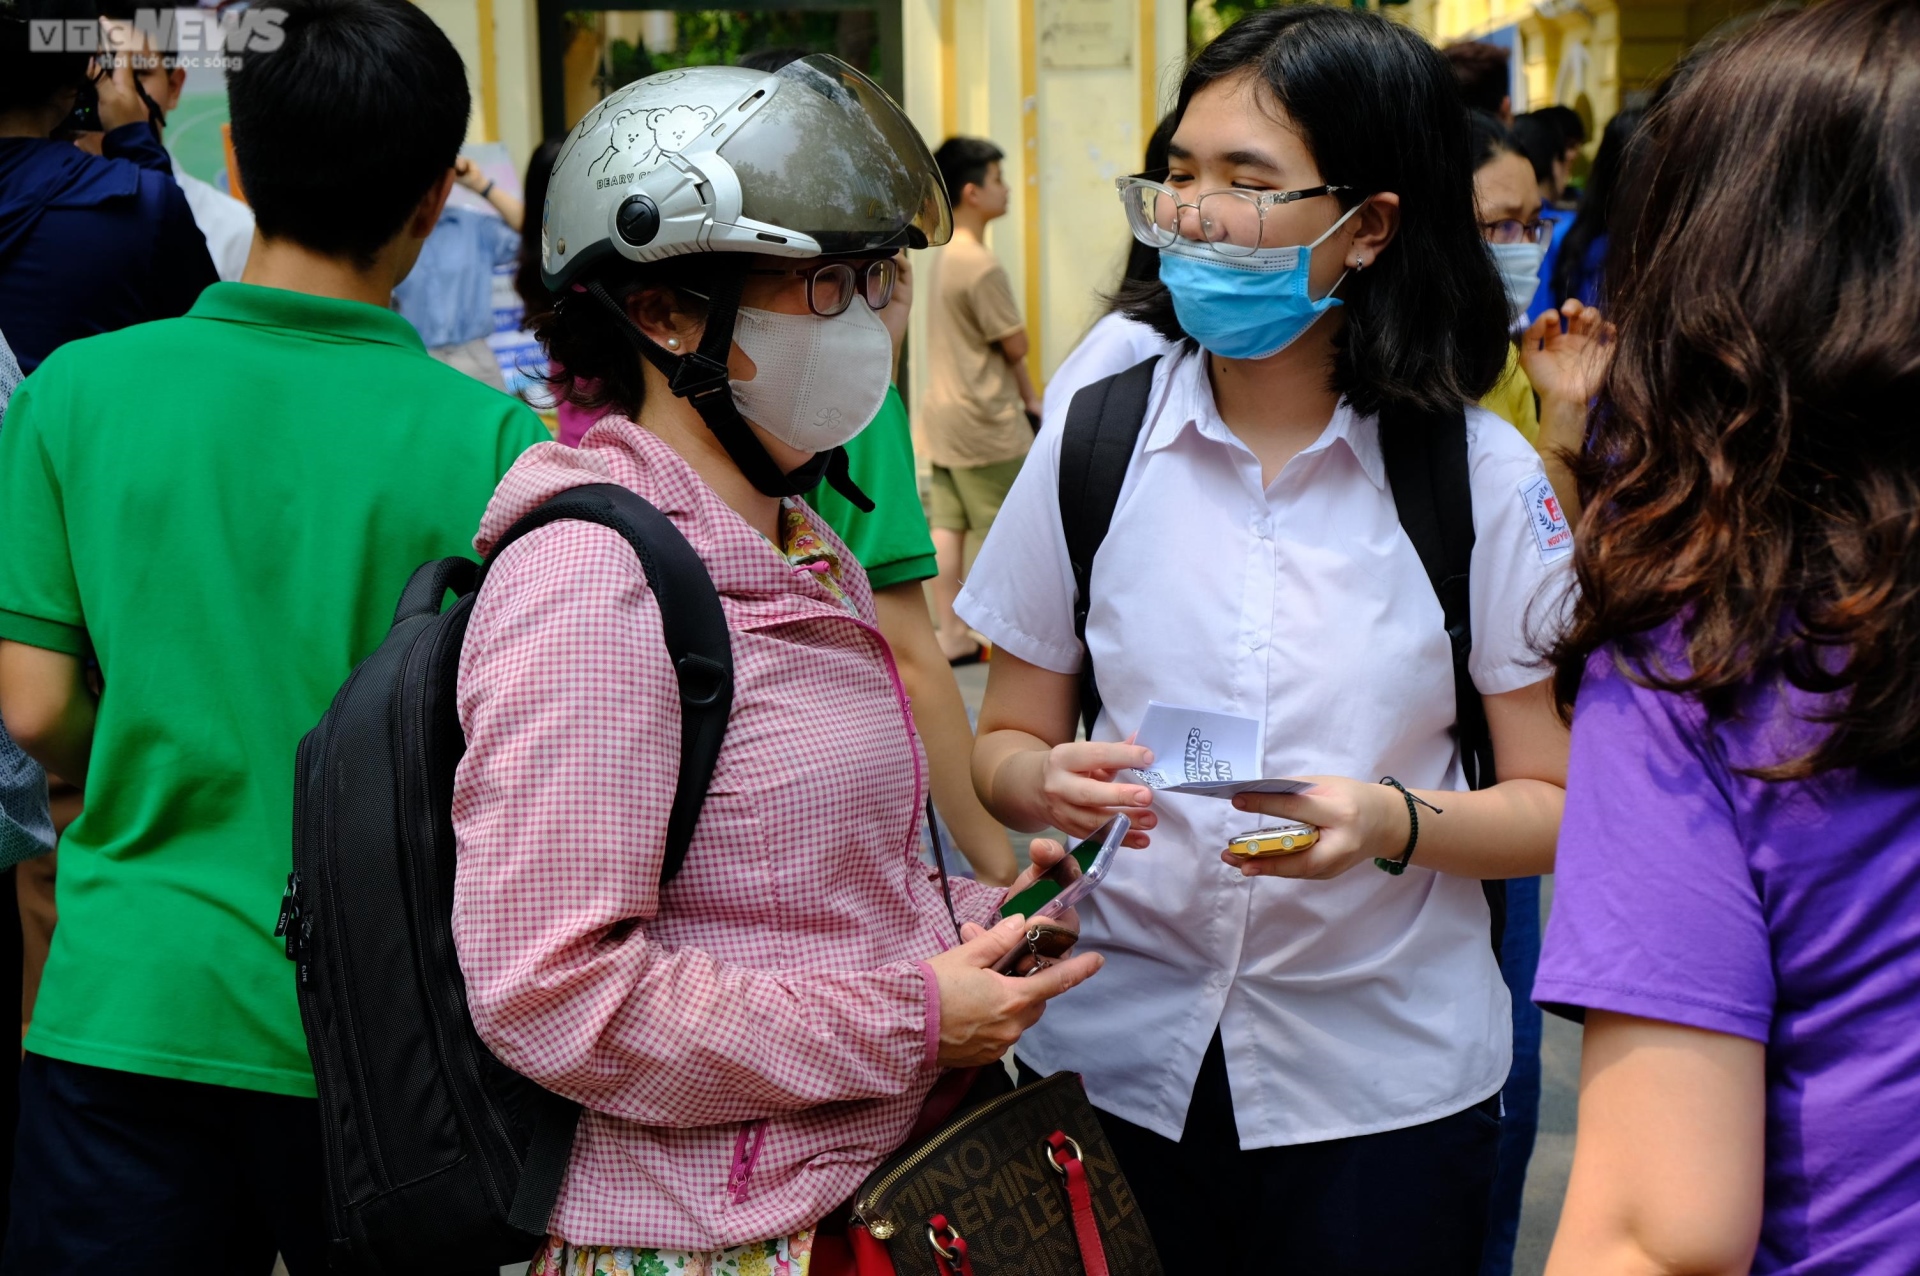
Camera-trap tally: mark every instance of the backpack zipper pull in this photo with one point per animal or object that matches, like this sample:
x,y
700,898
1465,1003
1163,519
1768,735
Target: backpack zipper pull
x,y
305,937
289,913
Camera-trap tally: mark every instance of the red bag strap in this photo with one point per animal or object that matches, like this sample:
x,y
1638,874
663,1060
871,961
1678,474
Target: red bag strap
x,y
941,1102
950,1250
869,1256
1064,1153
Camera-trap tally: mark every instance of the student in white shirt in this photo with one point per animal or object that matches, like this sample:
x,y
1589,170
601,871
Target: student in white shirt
x,y
1297,1058
225,222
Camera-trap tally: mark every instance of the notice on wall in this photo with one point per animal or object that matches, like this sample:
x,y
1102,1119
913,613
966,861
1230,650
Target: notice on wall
x,y
1085,33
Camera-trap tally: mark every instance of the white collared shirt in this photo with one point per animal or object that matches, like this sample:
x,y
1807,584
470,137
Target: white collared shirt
x,y
225,223
1114,344
1349,1006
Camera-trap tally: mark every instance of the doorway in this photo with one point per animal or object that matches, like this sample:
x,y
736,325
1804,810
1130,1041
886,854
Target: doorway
x,y
587,53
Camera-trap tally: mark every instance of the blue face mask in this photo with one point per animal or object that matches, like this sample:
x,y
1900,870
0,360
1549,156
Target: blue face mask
x,y
1519,267
1249,307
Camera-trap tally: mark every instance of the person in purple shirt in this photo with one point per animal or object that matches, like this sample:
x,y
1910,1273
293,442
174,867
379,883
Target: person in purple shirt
x,y
1738,906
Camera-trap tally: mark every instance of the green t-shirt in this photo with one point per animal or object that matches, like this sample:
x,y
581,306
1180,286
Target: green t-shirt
x,y
225,507
892,542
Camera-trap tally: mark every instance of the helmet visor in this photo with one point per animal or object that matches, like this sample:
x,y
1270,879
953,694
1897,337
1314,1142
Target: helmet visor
x,y
831,156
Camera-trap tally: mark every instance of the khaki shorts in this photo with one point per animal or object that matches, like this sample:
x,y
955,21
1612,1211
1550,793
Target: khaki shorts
x,y
475,358
968,499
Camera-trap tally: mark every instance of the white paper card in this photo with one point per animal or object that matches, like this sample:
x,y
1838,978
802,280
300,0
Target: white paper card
x,y
1200,751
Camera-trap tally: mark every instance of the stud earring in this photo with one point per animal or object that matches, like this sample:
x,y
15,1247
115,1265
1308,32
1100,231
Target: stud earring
x,y
673,343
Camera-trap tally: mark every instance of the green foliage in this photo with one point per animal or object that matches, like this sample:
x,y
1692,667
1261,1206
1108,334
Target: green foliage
x,y
624,65
720,36
1208,18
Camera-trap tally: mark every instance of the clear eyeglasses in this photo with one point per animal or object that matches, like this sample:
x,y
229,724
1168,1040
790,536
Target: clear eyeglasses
x,y
1232,222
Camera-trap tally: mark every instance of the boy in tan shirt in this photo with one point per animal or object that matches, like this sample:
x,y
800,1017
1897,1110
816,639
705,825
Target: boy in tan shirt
x,y
979,403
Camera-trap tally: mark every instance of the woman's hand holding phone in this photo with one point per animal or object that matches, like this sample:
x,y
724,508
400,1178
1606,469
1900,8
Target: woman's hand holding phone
x,y
982,1012
1077,791
1357,821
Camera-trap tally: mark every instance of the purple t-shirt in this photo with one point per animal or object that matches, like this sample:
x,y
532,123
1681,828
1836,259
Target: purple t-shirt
x,y
1786,913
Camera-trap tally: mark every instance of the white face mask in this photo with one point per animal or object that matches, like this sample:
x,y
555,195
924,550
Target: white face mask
x,y
817,382
1519,266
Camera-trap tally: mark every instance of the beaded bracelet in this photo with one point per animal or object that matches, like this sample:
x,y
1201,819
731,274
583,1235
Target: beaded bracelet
x,y
1399,866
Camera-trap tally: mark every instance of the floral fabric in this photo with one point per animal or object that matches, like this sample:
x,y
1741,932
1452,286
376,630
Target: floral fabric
x,y
808,551
787,1256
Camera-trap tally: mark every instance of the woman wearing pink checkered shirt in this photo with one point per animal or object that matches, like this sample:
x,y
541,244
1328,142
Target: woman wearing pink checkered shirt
x,y
753,1040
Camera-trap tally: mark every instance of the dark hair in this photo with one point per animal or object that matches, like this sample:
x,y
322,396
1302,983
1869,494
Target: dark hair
x,y
1426,324
1753,468
1481,72
771,60
526,280
1542,142
594,364
32,80
963,162
1488,139
341,130
1573,129
1143,260
1598,201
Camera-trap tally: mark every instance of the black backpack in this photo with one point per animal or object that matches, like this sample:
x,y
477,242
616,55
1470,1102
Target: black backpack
x,y
438,1157
1426,462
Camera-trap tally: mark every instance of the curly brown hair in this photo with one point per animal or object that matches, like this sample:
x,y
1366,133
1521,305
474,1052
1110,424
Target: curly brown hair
x,y
1753,469
592,362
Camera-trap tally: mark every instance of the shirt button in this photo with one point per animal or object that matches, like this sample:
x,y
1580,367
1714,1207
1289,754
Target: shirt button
x,y
1262,528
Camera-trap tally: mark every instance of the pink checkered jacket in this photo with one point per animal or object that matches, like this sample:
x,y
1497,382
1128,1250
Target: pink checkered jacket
x,y
750,1043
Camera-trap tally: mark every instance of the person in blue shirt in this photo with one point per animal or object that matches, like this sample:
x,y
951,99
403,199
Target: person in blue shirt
x,y
1577,263
26,831
449,294
88,243
1544,139
26,826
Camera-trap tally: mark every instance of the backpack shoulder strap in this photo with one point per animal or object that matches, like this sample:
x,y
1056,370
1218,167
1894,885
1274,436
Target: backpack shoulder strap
x,y
1426,463
1096,447
1427,468
694,626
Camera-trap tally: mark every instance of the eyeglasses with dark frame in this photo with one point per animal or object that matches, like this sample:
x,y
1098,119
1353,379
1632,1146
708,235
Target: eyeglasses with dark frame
x,y
832,285
1508,231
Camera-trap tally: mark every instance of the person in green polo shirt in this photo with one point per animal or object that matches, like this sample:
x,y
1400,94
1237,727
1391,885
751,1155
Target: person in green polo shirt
x,y
220,510
895,547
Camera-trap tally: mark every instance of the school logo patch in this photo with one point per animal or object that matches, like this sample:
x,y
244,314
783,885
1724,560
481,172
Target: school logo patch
x,y
1549,522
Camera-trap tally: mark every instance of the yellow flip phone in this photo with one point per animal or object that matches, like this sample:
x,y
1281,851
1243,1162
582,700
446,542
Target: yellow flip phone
x,y
1282,839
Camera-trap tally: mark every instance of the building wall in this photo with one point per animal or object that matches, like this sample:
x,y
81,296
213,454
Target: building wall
x,y
1069,89
1596,56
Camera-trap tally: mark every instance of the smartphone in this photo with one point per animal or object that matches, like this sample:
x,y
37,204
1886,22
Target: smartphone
x,y
1282,839
1065,884
1074,877
85,116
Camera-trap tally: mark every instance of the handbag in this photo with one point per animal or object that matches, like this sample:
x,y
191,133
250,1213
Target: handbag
x,y
1023,1184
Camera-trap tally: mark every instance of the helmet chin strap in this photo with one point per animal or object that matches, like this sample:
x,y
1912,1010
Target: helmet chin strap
x,y
701,378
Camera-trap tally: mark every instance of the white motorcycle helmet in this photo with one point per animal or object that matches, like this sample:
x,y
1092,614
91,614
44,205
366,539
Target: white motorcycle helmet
x,y
813,160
